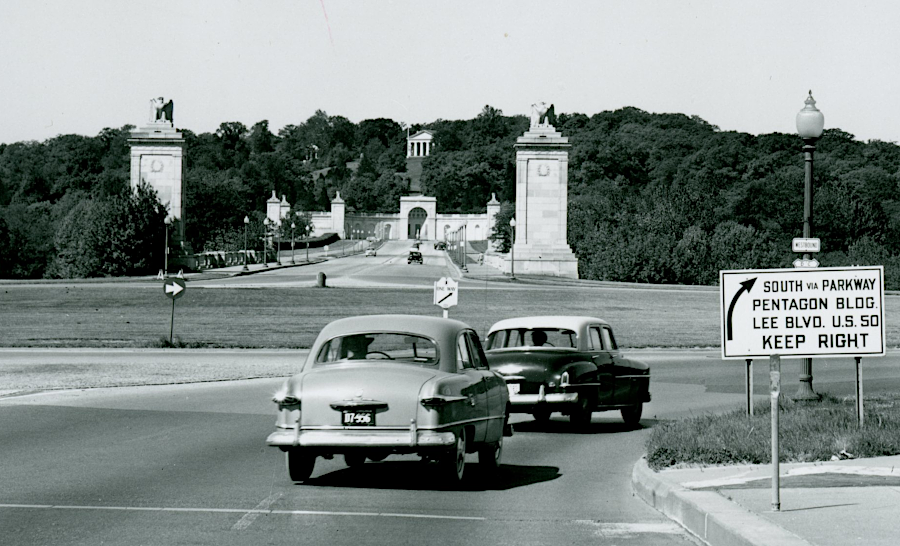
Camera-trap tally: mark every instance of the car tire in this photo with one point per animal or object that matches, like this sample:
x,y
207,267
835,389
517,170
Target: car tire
x,y
299,464
582,412
489,456
454,461
378,456
541,415
632,414
354,459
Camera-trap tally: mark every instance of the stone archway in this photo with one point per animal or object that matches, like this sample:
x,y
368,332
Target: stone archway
x,y
415,226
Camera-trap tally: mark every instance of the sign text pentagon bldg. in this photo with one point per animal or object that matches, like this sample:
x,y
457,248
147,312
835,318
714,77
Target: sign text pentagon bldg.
x,y
825,311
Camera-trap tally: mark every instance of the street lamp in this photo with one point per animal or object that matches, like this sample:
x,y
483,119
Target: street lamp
x,y
276,231
810,125
265,240
167,222
246,223
512,247
293,226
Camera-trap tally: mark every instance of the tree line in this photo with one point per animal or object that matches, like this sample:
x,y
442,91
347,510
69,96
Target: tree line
x,y
656,198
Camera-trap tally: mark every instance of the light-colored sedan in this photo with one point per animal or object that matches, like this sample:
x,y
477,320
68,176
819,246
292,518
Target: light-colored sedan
x,y
567,364
378,385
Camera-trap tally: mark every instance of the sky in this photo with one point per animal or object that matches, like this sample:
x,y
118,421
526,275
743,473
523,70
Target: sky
x,y
81,66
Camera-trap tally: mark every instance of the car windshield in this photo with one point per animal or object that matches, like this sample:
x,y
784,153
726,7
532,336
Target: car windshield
x,y
532,337
386,346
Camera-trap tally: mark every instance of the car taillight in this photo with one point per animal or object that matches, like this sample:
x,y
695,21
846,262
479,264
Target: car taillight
x,y
564,380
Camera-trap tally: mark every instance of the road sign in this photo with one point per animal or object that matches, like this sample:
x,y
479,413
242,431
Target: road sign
x,y
826,311
174,288
805,245
446,292
800,263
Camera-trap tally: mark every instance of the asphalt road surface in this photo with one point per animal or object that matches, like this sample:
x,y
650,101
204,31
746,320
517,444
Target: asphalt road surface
x,y
188,464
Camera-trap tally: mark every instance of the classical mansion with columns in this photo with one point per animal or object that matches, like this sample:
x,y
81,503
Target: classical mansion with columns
x,y
418,217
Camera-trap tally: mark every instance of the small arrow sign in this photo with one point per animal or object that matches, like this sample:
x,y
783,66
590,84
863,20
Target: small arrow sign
x,y
446,292
174,288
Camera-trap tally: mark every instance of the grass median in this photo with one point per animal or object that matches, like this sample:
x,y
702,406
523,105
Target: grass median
x,y
817,431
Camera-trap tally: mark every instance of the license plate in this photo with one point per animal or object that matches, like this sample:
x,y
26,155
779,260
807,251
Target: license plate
x,y
359,418
513,388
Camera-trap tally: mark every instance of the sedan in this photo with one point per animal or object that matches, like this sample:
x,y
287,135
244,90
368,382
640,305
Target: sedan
x,y
567,364
378,385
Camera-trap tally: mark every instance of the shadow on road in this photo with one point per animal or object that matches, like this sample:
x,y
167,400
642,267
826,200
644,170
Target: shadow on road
x,y
421,476
561,426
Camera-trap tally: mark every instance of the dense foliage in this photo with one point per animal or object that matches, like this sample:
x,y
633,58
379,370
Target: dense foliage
x,y
657,198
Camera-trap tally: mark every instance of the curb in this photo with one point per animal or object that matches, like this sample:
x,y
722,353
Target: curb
x,y
707,515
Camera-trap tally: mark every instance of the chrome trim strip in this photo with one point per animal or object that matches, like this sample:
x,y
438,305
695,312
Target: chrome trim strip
x,y
552,398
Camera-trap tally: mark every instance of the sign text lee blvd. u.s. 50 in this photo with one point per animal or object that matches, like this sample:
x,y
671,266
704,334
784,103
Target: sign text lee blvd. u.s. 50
x,y
802,312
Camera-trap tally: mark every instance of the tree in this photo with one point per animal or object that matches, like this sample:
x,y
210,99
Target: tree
x,y
501,232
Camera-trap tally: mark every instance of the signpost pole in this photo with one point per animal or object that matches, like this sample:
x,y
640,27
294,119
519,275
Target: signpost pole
x,y
446,313
172,322
750,387
859,391
775,381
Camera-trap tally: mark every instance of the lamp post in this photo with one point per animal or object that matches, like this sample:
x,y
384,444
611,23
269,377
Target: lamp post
x,y
265,240
293,226
512,248
246,223
167,222
276,232
810,125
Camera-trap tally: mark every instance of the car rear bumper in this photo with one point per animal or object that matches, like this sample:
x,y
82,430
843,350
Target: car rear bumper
x,y
534,399
344,438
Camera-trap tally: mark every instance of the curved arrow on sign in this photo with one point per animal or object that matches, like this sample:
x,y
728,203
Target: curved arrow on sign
x,y
745,286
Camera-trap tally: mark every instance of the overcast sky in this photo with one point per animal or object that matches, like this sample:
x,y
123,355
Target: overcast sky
x,y
79,66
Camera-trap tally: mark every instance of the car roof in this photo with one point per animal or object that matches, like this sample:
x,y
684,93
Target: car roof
x,y
443,331
434,327
550,321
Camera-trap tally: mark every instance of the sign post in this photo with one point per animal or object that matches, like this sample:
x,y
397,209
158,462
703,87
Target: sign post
x,y
173,288
446,293
801,313
775,388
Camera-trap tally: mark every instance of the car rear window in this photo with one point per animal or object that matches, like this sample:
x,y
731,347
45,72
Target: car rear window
x,y
532,337
385,346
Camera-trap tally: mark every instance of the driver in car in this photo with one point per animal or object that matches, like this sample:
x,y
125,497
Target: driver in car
x,y
539,338
355,347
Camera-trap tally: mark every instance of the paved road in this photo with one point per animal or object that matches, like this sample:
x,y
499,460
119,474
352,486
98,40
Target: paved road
x,y
187,464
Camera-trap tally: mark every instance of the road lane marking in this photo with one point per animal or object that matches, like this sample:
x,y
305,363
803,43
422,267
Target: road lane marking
x,y
624,530
240,511
248,518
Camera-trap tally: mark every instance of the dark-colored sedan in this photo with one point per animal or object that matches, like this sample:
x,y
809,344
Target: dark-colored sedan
x,y
415,257
567,364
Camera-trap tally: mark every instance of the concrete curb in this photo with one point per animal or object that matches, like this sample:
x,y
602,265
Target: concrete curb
x,y
707,515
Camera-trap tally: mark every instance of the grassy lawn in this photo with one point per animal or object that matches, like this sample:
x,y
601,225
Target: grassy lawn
x,y
807,432
137,315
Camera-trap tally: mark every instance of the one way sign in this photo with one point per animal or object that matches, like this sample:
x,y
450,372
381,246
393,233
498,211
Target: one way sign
x,y
446,292
174,288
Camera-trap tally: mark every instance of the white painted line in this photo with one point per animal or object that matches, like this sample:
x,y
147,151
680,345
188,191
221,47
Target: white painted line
x,y
241,511
251,516
623,530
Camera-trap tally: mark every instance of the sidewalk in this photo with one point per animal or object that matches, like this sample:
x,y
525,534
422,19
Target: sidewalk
x,y
853,501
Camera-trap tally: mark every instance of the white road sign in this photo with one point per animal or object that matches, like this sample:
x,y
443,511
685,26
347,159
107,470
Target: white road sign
x,y
805,245
446,292
826,311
